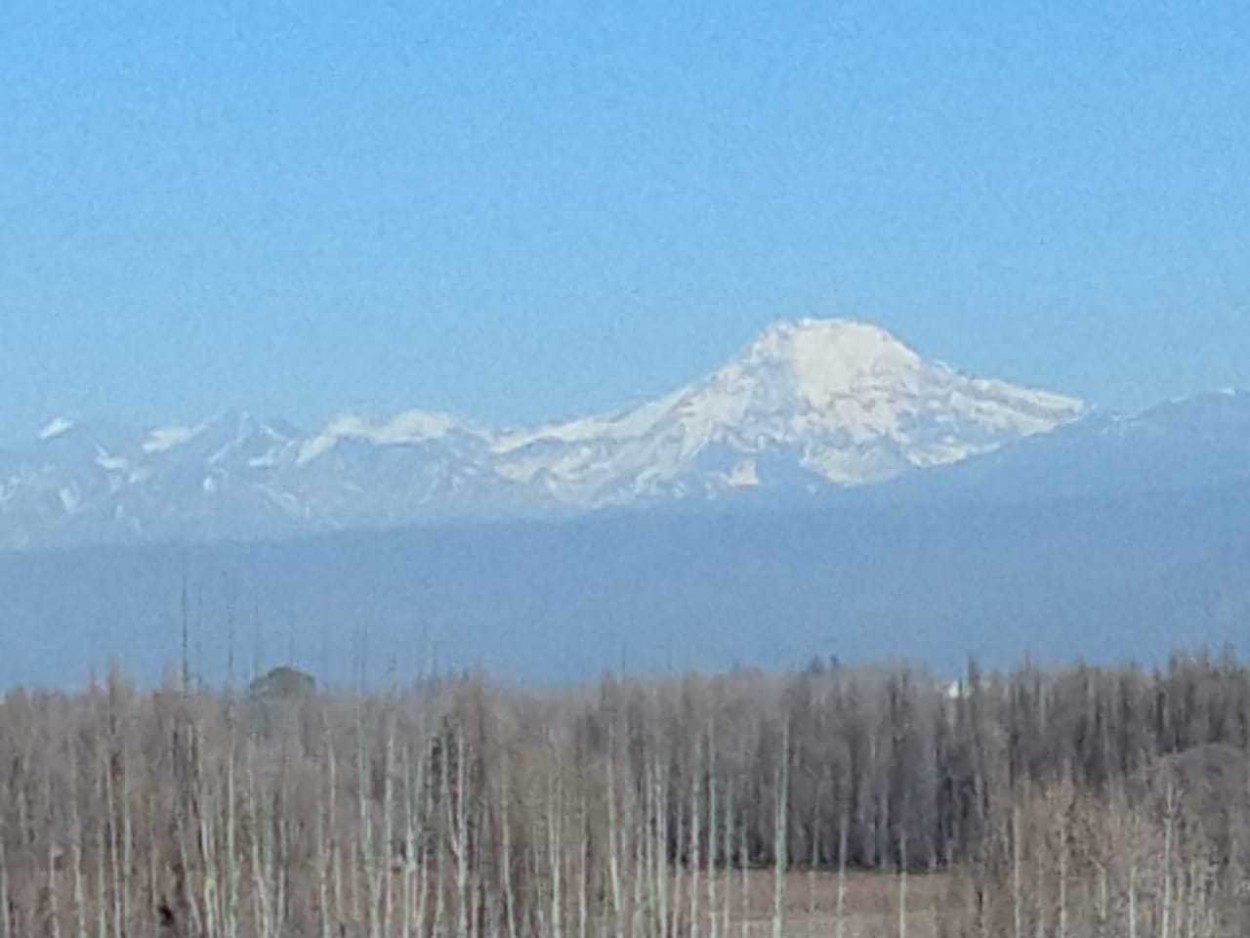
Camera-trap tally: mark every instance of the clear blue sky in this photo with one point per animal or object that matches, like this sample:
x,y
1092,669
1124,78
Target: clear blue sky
x,y
517,213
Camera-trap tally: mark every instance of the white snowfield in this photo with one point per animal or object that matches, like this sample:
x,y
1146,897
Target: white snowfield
x,y
809,403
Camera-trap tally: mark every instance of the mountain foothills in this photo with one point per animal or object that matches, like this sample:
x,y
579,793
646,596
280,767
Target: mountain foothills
x,y
810,406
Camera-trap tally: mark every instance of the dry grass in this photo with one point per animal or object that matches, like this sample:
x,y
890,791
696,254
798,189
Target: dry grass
x,y
870,905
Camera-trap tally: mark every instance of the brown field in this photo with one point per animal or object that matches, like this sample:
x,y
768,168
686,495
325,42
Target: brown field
x,y
870,905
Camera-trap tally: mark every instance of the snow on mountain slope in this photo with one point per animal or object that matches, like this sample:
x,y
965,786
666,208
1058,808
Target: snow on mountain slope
x,y
413,426
1201,443
58,426
808,404
842,402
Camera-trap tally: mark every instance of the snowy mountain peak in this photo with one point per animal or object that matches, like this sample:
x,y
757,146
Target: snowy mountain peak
x,y
821,360
833,351
819,401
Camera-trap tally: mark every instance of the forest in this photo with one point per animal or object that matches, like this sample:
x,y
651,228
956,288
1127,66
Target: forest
x,y
835,800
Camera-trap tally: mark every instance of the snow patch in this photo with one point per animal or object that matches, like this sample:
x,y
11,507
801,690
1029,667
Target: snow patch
x,y
163,439
58,427
111,463
744,475
413,426
70,498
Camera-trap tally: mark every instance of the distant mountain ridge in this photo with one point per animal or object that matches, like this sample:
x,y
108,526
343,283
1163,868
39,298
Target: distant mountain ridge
x,y
1198,443
827,491
809,405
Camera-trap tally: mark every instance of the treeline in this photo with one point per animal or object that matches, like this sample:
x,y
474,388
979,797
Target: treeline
x,y
1071,802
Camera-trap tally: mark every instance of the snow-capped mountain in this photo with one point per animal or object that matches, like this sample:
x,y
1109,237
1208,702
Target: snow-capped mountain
x,y
821,401
808,405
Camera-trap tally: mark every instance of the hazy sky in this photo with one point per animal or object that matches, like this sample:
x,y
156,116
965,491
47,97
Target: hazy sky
x,y
519,211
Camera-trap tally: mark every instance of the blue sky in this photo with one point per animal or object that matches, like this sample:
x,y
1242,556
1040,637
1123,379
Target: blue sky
x,y
517,212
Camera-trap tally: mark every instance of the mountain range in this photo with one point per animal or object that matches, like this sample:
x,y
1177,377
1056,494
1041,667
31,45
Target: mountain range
x,y
828,491
810,406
